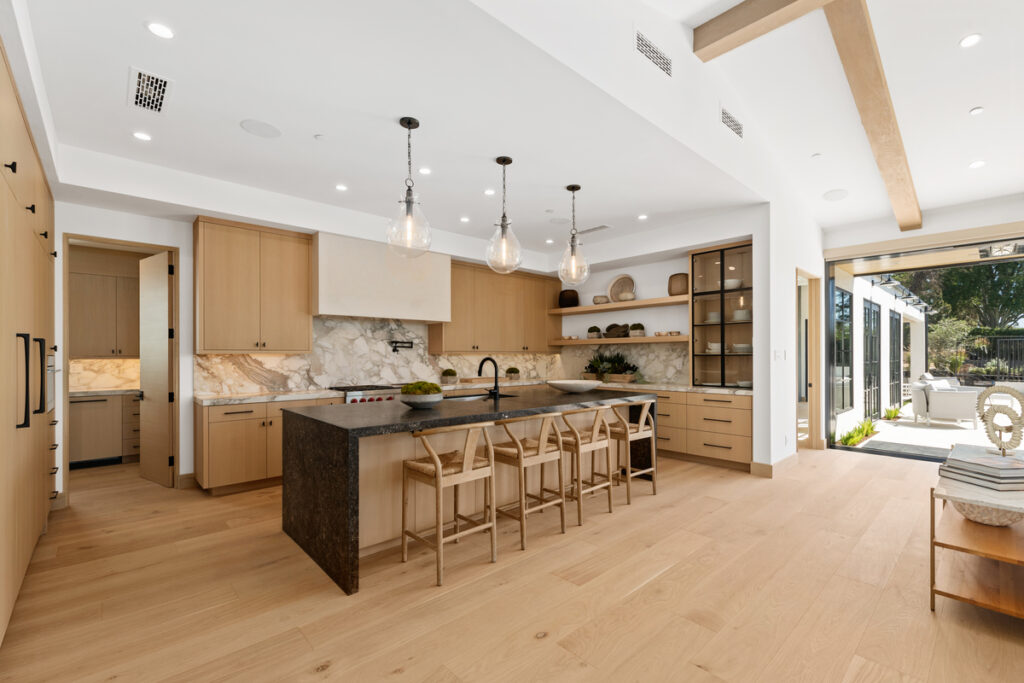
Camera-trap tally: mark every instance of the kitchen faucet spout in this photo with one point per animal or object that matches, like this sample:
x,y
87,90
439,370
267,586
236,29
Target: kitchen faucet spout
x,y
493,393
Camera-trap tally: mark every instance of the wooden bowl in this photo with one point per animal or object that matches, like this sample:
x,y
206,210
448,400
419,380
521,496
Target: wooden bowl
x,y
621,284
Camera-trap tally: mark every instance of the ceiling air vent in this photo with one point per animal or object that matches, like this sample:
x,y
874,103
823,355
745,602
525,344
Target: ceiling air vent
x,y
147,91
651,51
732,123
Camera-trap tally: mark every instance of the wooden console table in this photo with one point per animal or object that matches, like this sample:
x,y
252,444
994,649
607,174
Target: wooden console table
x,y
979,564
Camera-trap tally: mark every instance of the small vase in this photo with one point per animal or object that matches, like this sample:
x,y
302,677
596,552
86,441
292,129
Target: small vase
x,y
514,377
593,335
637,333
448,379
568,298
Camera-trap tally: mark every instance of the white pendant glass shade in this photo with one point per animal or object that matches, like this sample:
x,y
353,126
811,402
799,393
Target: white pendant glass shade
x,y
504,254
409,232
573,269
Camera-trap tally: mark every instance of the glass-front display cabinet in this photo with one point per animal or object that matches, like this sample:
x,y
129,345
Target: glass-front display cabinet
x,y
721,325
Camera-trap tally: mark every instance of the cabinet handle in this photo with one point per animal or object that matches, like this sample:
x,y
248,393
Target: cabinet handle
x,y
263,344
263,424
135,430
26,420
53,495
42,375
270,422
135,446
257,345
717,400
119,352
31,208
664,438
716,419
715,445
53,470
90,400
53,446
45,234
237,412
664,415
112,353
13,166
53,423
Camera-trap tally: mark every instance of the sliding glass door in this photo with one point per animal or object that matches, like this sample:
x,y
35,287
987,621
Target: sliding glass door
x,y
872,359
895,359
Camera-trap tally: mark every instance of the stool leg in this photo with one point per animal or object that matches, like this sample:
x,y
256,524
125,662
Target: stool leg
x,y
578,486
608,464
439,526
561,491
542,484
455,495
629,472
654,467
522,505
405,507
493,516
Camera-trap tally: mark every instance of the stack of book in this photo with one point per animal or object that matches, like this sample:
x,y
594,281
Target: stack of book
x,y
988,471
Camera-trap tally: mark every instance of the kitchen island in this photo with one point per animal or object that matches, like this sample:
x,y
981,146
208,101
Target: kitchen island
x,y
340,464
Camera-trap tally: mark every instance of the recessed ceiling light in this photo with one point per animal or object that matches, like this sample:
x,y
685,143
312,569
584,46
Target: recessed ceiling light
x,y
260,129
976,164
424,171
464,219
488,192
340,188
642,217
139,135
549,241
836,195
975,111
970,40
160,30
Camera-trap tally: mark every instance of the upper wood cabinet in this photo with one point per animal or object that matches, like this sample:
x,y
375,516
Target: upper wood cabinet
x,y
92,328
252,289
127,329
497,313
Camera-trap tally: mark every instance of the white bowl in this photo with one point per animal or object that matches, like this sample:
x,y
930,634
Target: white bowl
x,y
574,386
746,384
626,296
741,315
421,401
714,347
742,348
714,317
733,283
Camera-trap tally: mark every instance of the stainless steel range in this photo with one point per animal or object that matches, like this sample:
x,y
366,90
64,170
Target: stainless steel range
x,y
368,393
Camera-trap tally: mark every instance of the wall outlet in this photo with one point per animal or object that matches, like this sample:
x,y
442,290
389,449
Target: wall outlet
x,y
780,354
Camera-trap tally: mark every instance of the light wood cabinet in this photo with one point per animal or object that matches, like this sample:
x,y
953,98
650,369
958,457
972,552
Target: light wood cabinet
x,y
494,313
92,309
240,448
127,327
95,428
252,289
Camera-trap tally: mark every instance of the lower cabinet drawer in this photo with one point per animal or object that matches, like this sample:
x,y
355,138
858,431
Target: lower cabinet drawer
x,y
671,439
242,411
719,420
671,414
671,397
720,446
130,446
130,430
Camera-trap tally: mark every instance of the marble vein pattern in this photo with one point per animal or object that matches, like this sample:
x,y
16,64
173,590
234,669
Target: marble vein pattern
x,y
98,374
352,351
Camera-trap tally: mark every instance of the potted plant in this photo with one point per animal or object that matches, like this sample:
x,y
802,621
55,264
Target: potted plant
x,y
512,374
449,376
421,395
596,367
637,330
619,369
593,332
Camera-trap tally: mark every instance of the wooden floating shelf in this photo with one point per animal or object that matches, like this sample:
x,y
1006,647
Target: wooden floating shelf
x,y
679,339
623,305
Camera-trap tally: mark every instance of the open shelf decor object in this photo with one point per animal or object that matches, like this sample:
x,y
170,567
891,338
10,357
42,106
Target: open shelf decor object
x,y
721,319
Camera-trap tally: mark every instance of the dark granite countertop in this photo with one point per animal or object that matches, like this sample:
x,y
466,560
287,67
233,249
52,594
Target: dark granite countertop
x,y
374,419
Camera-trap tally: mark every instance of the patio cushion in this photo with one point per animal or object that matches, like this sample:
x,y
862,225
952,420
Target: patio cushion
x,y
939,384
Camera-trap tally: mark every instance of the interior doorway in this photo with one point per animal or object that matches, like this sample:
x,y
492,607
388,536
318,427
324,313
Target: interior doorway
x,y
808,361
120,350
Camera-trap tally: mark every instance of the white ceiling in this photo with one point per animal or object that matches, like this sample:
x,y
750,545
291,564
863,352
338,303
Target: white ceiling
x,y
348,71
797,98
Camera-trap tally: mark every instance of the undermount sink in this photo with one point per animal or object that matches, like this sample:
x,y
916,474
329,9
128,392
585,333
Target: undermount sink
x,y
476,397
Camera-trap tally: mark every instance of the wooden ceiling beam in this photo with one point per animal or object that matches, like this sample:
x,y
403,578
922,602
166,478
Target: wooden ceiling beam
x,y
855,40
745,22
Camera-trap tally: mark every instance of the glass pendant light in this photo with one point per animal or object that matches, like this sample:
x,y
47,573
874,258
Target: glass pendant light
x,y
573,269
409,232
503,252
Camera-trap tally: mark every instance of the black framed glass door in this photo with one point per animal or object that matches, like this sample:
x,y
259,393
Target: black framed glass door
x,y
895,359
872,359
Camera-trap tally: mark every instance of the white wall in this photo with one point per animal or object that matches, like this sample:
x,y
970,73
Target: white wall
x,y
78,219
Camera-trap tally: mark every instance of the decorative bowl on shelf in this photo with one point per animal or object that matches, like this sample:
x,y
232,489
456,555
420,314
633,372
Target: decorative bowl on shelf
x,y
714,347
713,317
600,299
983,514
732,283
743,348
741,315
627,296
574,386
745,384
421,401
678,284
568,298
622,285
674,333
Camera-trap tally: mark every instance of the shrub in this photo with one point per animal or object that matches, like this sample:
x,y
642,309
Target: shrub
x,y
594,328
449,372
419,388
636,326
892,413
512,371
858,433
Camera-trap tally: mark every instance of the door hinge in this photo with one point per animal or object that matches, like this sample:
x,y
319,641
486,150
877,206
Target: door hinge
x,y
170,269
170,461
170,333
170,396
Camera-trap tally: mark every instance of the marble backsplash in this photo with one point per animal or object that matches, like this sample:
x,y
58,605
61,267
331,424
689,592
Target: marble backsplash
x,y
665,363
352,351
93,374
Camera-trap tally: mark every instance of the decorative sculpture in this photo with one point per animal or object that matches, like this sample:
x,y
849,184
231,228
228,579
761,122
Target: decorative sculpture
x,y
988,410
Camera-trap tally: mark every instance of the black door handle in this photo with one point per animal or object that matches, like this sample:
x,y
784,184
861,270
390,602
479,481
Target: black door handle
x,y
13,166
27,420
42,375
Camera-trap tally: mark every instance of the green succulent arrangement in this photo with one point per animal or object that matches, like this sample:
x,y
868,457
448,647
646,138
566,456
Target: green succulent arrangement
x,y
421,388
449,372
594,328
636,326
602,364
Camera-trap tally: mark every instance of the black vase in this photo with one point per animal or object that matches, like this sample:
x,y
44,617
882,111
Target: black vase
x,y
568,298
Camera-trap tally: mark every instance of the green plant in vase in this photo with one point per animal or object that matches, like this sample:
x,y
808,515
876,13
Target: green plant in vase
x,y
449,376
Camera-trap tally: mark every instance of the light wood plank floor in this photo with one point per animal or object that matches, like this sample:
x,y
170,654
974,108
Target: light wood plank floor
x,y
819,575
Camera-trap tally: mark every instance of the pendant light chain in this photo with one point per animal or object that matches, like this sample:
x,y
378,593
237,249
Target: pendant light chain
x,y
503,190
408,150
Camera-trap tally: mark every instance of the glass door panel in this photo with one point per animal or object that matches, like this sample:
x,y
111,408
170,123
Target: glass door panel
x,y
739,270
707,272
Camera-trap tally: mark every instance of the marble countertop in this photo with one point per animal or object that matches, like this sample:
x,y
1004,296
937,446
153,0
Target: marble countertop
x,y
273,396
102,392
366,419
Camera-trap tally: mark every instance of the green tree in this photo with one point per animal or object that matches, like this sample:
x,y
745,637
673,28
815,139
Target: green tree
x,y
991,295
945,342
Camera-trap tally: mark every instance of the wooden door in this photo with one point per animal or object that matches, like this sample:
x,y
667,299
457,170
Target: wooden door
x,y
460,333
238,452
156,361
230,289
127,316
536,294
285,301
92,315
